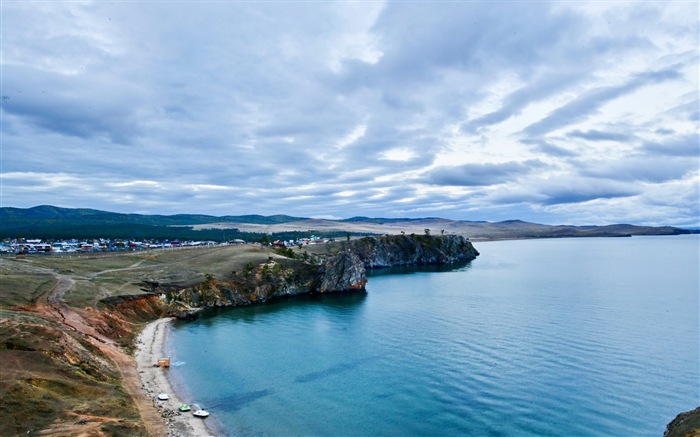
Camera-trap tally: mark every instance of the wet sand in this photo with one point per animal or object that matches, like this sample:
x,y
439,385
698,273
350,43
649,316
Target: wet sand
x,y
154,380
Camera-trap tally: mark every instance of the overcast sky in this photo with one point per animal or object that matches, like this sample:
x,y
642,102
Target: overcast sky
x,y
552,112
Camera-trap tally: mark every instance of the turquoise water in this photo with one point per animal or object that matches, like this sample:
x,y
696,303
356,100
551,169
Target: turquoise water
x,y
536,337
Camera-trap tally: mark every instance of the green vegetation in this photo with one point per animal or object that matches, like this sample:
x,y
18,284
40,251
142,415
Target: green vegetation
x,y
55,215
285,251
23,288
53,223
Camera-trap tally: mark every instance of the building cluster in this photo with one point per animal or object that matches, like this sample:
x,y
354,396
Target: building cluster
x,y
301,241
37,246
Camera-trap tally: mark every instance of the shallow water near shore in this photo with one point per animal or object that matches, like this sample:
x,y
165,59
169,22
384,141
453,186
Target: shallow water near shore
x,y
537,337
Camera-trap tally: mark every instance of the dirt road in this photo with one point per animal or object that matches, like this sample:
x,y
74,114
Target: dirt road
x,y
51,304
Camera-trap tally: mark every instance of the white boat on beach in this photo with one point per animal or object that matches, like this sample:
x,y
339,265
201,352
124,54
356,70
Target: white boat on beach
x,y
198,411
201,413
163,397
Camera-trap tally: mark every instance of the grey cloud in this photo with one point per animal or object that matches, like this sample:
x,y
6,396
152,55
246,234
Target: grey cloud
x,y
664,131
547,84
481,174
421,42
588,103
549,149
585,193
468,35
640,168
682,145
596,135
76,106
689,110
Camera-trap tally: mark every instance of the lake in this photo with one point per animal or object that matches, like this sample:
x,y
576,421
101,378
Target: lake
x,y
591,336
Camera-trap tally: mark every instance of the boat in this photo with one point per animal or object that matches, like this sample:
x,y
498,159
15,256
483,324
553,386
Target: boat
x,y
163,397
201,413
184,407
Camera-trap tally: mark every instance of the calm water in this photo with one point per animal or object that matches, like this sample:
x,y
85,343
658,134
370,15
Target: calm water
x,y
539,337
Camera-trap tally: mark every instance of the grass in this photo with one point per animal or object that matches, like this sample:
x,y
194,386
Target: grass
x,y
23,289
86,264
50,374
96,277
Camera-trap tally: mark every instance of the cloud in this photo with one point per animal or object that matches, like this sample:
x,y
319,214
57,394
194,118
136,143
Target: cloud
x,y
70,105
470,109
583,106
548,149
585,190
682,145
640,168
481,174
596,135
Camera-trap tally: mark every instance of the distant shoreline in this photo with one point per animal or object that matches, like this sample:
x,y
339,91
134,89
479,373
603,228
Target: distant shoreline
x,y
52,222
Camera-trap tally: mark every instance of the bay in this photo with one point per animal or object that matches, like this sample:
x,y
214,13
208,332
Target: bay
x,y
535,337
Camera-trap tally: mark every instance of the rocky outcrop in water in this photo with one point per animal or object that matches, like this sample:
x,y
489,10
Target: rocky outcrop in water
x,y
684,425
343,272
412,250
340,273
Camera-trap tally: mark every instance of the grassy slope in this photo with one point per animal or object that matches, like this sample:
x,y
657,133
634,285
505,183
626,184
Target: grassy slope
x,y
51,377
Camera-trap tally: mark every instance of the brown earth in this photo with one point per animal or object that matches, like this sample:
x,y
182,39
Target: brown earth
x,y
66,363
83,345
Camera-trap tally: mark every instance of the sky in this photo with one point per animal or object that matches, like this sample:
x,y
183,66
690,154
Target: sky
x,y
565,112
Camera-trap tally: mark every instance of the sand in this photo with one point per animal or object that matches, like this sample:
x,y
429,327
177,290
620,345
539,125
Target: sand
x,y
154,381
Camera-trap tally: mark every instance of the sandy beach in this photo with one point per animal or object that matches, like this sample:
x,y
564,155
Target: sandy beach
x,y
154,381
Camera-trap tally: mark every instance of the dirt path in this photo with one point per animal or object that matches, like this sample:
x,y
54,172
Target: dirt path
x,y
52,305
131,267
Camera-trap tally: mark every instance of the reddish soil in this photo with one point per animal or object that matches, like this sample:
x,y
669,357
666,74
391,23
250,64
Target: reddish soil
x,y
52,306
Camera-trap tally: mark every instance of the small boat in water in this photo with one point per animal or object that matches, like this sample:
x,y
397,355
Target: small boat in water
x,y
201,413
184,407
163,397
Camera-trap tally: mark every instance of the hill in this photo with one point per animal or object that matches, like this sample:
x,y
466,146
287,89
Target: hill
x,y
54,222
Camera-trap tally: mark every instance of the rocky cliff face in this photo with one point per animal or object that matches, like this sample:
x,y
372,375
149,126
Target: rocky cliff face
x,y
343,272
686,424
340,273
413,250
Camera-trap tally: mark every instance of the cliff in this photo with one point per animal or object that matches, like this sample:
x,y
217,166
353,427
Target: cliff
x,y
344,272
413,250
686,424
340,273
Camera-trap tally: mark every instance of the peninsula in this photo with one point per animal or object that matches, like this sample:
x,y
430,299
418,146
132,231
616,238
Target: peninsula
x,y
70,323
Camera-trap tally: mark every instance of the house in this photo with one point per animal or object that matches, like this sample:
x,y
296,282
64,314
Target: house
x,y
43,247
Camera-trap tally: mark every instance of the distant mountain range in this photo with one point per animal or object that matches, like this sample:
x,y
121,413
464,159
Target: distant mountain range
x,y
55,222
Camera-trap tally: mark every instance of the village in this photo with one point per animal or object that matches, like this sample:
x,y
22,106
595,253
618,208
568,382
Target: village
x,y
28,246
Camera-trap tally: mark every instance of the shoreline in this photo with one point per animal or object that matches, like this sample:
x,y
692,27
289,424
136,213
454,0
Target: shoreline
x,y
154,380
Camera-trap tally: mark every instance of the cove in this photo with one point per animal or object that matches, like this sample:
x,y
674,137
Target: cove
x,y
536,337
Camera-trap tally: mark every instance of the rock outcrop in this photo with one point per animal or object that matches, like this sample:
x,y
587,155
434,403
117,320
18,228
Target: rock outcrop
x,y
345,271
686,424
412,250
340,273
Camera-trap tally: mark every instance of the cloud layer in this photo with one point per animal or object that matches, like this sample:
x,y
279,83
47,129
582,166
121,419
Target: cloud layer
x,y
561,112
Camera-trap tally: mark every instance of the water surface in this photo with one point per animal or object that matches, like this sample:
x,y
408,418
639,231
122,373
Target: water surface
x,y
540,337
